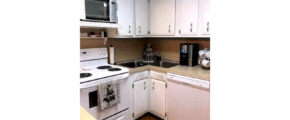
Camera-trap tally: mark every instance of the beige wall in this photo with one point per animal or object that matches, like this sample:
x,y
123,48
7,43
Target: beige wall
x,y
125,49
132,48
169,47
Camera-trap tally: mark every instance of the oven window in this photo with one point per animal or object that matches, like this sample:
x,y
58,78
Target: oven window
x,y
93,99
97,9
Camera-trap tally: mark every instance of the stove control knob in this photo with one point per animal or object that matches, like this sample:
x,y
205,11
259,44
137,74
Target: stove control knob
x,y
99,52
104,52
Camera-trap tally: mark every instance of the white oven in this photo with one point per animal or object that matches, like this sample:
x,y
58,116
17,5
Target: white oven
x,y
94,70
89,99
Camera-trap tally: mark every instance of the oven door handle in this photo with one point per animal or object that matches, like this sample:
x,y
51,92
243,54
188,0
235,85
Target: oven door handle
x,y
120,118
91,85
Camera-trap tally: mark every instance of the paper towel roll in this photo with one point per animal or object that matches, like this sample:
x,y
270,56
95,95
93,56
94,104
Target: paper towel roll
x,y
112,55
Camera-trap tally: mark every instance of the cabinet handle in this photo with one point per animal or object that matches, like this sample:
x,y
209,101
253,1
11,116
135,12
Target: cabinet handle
x,y
207,28
139,29
129,29
191,27
153,87
144,85
169,29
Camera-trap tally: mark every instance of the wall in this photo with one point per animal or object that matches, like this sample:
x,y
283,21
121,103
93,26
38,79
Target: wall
x,y
132,48
125,48
169,47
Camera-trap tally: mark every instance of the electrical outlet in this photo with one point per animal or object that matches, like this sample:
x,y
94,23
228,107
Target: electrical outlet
x,y
120,50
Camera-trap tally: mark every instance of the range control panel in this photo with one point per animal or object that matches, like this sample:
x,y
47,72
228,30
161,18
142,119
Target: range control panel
x,y
188,80
93,53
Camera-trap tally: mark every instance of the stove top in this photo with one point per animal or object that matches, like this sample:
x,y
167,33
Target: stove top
x,y
104,72
94,65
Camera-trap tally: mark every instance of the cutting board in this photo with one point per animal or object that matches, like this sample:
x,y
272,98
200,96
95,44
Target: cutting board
x,y
85,115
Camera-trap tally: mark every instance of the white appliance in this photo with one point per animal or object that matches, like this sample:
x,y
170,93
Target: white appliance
x,y
188,98
94,69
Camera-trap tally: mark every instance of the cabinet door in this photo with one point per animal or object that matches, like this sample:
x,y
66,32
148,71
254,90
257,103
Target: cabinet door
x,y
125,13
187,103
140,97
83,10
157,97
141,17
205,16
162,17
187,16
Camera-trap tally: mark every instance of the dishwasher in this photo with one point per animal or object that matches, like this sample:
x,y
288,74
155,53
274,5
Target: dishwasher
x,y
188,98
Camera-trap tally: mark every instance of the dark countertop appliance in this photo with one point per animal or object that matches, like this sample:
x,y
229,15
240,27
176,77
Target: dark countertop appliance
x,y
188,54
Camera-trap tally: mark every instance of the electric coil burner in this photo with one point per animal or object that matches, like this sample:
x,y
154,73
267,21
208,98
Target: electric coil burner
x,y
114,69
104,67
84,75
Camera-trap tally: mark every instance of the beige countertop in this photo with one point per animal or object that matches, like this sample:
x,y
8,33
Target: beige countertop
x,y
85,115
196,71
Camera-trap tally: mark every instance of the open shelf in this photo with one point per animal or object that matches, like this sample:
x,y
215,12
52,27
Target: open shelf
x,y
103,38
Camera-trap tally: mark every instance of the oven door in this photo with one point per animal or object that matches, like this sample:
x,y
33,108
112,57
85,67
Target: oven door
x,y
97,9
89,101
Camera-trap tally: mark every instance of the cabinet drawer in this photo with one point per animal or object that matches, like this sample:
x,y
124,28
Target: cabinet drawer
x,y
140,75
158,75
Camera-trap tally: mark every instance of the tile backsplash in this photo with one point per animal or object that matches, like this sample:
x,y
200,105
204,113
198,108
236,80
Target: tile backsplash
x,y
132,48
125,48
169,47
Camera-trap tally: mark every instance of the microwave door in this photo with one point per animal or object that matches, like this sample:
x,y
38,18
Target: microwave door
x,y
97,9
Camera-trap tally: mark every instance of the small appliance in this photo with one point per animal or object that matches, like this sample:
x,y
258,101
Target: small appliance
x,y
101,11
188,54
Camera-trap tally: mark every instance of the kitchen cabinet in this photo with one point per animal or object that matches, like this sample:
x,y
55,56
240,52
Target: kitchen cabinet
x,y
210,103
162,17
141,17
140,97
187,17
158,97
204,15
83,10
125,17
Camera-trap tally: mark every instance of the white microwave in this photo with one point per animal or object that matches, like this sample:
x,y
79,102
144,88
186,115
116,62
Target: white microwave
x,y
100,11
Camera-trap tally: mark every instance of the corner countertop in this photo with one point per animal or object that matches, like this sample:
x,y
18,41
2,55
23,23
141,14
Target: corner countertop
x,y
195,71
85,115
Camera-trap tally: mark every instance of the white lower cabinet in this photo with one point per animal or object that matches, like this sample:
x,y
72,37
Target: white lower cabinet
x,y
140,96
148,94
158,97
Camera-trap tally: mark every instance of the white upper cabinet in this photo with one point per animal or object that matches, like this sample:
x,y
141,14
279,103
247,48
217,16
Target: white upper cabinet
x,y
83,10
162,17
125,14
141,17
187,17
158,97
204,8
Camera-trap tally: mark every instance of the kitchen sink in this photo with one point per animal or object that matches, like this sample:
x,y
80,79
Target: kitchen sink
x,y
136,64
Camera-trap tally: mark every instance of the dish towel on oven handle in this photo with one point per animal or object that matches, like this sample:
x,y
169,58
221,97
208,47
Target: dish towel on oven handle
x,y
108,94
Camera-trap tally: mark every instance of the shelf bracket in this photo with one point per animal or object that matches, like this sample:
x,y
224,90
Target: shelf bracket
x,y
105,41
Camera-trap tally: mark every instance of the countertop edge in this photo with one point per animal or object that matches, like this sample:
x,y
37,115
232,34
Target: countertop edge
x,y
165,70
